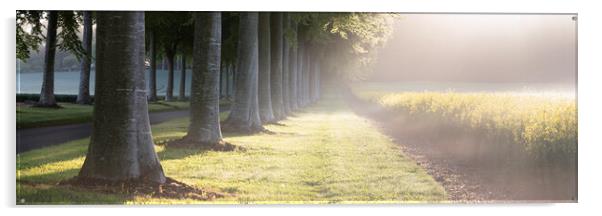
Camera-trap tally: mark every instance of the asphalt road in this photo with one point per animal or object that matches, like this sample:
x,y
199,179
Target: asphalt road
x,y
33,138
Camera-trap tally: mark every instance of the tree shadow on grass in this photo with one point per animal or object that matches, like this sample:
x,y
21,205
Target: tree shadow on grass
x,y
180,148
64,152
48,177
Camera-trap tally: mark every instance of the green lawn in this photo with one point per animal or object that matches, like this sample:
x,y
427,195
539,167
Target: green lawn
x,y
324,154
28,117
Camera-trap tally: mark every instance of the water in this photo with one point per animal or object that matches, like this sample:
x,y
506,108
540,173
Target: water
x,y
67,82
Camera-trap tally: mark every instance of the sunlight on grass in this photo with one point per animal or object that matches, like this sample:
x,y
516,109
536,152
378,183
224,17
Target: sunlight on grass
x,y
324,154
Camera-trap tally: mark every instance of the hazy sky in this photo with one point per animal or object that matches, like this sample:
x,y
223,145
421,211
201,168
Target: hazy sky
x,y
486,48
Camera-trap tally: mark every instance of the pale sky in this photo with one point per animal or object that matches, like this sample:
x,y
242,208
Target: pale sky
x,y
480,48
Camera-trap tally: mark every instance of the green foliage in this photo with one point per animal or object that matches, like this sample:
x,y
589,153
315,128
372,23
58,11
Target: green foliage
x,y
229,37
29,32
348,40
171,29
69,22
30,36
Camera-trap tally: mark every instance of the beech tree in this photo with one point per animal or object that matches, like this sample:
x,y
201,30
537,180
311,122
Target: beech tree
x,y
265,98
65,40
293,65
244,114
285,65
276,73
47,93
204,126
83,96
168,31
121,147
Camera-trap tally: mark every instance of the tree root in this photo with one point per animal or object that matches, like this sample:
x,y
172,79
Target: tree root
x,y
172,189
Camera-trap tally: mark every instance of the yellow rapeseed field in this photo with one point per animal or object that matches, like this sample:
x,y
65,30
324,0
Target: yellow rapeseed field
x,y
545,126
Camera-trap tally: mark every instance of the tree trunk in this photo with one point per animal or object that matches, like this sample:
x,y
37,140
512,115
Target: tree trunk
x,y
306,74
152,85
204,126
121,147
224,84
223,76
293,62
300,71
316,78
276,66
170,75
265,95
83,97
47,94
286,105
231,81
183,78
244,115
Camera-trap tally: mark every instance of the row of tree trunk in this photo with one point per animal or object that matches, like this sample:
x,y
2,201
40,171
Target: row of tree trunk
x,y
273,78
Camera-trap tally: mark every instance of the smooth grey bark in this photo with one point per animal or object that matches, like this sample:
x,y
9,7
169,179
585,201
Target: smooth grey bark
x,y
47,93
182,95
306,75
293,66
316,77
265,95
223,81
300,71
83,96
230,87
121,147
244,114
285,68
170,75
204,126
152,84
226,83
276,65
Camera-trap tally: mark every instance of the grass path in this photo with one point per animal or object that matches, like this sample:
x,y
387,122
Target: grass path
x,y
323,154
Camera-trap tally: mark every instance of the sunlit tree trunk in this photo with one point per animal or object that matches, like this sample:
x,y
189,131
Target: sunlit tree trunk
x,y
244,115
300,71
152,84
276,65
121,147
83,96
293,67
265,98
183,78
306,74
309,75
47,94
285,67
204,126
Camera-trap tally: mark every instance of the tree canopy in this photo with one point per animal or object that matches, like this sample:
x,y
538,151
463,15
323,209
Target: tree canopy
x,y
30,34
